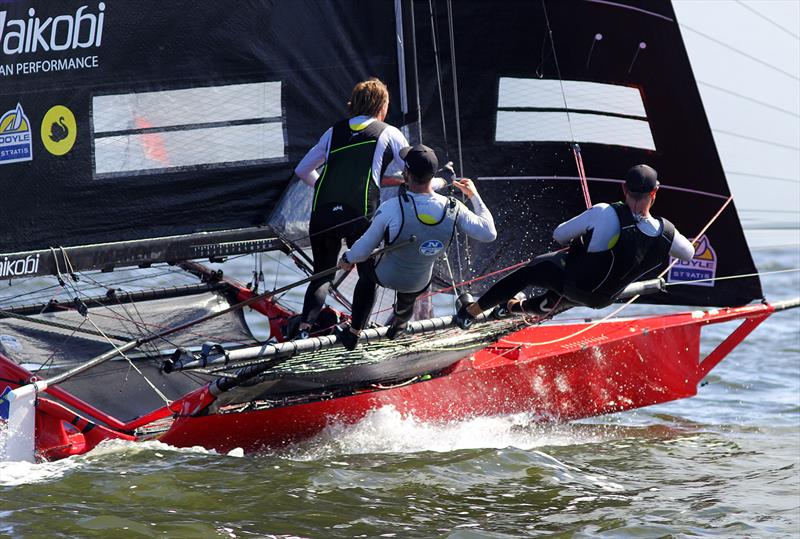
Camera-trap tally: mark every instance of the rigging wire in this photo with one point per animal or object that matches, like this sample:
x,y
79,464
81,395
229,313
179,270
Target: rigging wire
x,y
416,73
467,253
748,98
757,139
729,277
763,176
455,85
576,149
761,15
439,78
741,52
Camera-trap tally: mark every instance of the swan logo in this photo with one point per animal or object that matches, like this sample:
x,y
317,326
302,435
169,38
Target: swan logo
x,y
59,130
431,247
15,137
700,270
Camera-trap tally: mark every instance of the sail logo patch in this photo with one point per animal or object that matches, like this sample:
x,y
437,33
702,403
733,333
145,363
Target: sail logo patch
x,y
15,137
702,266
59,130
431,247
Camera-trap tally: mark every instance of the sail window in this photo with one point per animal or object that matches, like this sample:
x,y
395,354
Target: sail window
x,y
533,110
148,132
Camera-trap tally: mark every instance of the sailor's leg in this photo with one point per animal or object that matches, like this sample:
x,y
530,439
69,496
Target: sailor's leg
x,y
404,307
325,250
544,271
363,297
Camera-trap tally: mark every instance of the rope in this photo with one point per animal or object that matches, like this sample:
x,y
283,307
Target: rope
x,y
576,152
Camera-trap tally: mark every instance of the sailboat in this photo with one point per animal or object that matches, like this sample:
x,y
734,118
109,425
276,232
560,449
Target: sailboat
x,y
185,121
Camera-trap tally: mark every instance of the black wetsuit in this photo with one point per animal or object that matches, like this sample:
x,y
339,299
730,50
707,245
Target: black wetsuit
x,y
575,276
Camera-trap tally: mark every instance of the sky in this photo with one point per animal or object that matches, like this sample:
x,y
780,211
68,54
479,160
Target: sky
x,y
746,58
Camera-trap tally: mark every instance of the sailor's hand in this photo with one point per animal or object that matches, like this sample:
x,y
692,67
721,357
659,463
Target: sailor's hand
x,y
344,264
466,186
447,173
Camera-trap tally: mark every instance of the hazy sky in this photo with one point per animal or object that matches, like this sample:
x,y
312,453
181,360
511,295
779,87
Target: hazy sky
x,y
752,138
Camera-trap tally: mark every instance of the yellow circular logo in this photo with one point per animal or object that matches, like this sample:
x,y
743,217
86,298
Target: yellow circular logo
x,y
59,130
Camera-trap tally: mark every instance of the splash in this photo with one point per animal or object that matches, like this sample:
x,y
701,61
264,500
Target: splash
x,y
23,473
386,430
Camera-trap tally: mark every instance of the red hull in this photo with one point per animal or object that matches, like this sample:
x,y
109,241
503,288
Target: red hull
x,y
611,367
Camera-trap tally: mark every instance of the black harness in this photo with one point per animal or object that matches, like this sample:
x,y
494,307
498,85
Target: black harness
x,y
596,279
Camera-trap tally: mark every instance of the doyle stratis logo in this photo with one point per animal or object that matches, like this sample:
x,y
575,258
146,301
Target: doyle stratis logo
x,y
82,29
702,267
15,137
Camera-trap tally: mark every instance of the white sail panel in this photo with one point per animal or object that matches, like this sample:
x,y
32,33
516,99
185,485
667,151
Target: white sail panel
x,y
186,107
580,95
139,133
535,126
187,148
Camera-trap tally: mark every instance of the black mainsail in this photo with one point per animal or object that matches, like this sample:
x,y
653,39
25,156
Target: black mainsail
x,y
159,131
612,76
151,122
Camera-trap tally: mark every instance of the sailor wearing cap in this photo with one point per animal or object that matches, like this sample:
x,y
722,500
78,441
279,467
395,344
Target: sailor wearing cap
x,y
431,219
611,246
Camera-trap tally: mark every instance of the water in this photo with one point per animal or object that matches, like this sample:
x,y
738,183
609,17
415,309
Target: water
x,y
722,464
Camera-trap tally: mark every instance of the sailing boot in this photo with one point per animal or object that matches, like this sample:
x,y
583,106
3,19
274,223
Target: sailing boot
x,y
545,305
396,330
511,306
348,339
463,318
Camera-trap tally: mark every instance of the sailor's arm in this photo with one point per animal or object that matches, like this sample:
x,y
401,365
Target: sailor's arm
x,y
681,247
393,140
367,243
478,223
306,169
577,226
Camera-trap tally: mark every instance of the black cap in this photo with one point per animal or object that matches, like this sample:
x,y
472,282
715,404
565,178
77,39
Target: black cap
x,y
641,179
421,161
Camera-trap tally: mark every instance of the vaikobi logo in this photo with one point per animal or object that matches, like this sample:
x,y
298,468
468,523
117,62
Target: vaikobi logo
x,y
15,137
702,267
82,30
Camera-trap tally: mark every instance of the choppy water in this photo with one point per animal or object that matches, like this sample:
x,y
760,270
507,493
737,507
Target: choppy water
x,y
722,464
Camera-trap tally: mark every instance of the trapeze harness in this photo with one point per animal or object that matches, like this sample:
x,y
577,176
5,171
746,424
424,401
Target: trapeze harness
x,y
346,184
409,269
595,279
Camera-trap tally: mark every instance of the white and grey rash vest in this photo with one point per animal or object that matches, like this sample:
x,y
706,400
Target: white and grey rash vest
x,y
388,224
409,268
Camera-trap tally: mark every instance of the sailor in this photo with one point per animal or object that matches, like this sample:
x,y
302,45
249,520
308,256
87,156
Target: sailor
x,y
418,212
610,246
359,154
